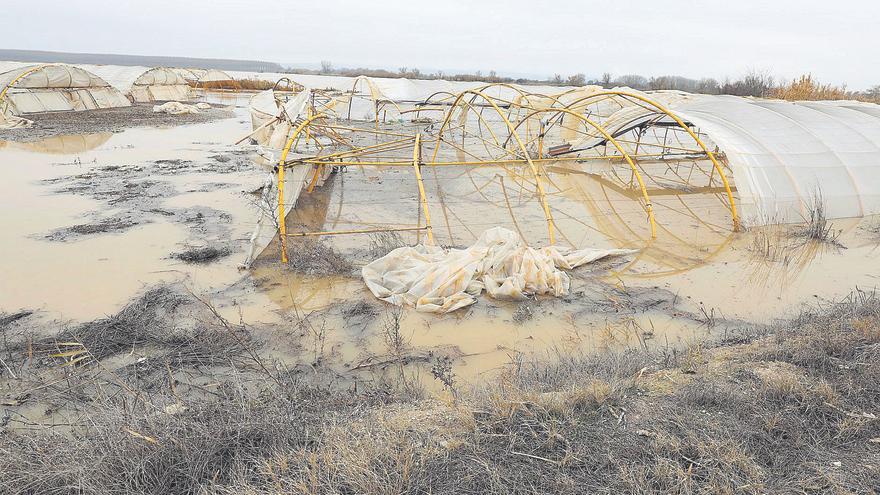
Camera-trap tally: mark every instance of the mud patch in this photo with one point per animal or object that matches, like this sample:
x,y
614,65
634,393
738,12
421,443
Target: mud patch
x,y
104,226
205,254
137,190
106,120
9,319
107,184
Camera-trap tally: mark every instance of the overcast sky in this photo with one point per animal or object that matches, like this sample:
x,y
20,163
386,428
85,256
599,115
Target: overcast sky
x,y
835,40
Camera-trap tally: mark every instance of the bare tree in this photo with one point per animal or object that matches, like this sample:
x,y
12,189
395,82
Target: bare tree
x,y
753,83
577,80
634,81
708,86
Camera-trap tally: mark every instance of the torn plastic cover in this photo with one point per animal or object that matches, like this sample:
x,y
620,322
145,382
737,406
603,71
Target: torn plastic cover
x,y
436,280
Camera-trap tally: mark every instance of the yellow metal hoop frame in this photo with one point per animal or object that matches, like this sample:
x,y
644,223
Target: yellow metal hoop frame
x,y
524,108
534,168
648,205
686,128
282,164
19,78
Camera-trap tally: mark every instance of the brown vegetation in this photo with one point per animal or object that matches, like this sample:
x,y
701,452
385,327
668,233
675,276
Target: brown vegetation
x,y
247,85
790,408
806,88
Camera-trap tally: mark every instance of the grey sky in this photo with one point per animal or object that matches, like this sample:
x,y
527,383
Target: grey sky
x,y
835,40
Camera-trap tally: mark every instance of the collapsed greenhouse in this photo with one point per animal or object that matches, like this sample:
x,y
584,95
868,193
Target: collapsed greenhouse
x,y
655,161
27,89
666,174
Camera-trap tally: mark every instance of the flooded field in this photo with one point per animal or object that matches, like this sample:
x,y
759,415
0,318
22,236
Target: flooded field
x,y
418,257
92,220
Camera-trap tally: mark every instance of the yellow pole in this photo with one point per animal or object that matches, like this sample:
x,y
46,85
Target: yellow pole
x,y
308,114
417,151
282,163
282,219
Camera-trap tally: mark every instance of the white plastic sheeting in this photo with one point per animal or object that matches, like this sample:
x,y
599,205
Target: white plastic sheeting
x,y
55,88
160,84
213,75
8,66
263,110
436,280
395,89
276,121
203,75
271,118
178,108
13,122
787,155
145,84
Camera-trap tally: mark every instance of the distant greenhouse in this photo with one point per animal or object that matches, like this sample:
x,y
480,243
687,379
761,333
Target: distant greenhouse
x,y
143,84
27,89
197,77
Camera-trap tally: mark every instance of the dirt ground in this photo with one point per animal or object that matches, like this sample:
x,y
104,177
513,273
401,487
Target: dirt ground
x,y
106,120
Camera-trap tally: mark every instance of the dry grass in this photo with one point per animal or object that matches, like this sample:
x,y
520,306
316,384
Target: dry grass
x,y
796,244
805,88
313,256
382,243
791,410
817,227
247,85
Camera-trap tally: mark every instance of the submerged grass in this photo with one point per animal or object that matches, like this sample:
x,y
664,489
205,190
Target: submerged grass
x,y
382,243
205,254
316,257
791,409
816,225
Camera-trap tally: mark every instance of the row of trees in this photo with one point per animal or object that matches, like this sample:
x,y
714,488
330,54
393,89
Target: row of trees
x,y
327,68
753,83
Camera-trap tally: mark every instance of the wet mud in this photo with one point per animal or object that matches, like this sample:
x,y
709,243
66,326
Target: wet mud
x,y
111,120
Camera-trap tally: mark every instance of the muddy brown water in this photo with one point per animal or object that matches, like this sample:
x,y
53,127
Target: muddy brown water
x,y
696,270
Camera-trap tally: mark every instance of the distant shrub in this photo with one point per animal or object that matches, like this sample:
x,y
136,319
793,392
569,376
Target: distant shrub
x,y
807,88
247,85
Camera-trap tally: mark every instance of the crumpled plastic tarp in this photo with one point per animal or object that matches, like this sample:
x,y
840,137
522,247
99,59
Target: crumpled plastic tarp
x,y
178,108
437,280
13,122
